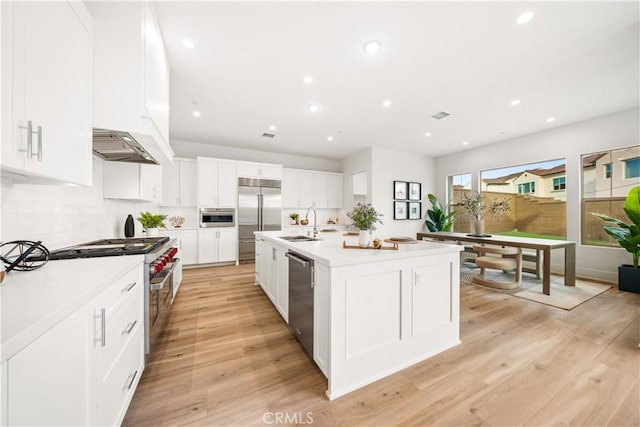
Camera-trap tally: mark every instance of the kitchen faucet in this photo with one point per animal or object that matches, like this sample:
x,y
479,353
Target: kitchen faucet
x,y
315,220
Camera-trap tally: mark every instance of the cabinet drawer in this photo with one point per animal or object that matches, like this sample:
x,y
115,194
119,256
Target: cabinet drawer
x,y
129,284
116,390
122,324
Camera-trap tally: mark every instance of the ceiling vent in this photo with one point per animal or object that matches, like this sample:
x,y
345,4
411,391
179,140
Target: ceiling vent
x,y
268,135
440,115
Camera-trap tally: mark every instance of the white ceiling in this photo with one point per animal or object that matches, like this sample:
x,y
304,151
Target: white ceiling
x,y
572,61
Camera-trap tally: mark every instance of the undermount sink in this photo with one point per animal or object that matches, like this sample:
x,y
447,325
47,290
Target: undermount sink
x,y
299,238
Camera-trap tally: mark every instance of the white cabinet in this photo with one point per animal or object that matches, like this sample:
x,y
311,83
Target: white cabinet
x,y
262,250
320,190
301,189
335,191
217,245
132,181
179,183
259,170
187,242
46,90
131,74
217,183
272,274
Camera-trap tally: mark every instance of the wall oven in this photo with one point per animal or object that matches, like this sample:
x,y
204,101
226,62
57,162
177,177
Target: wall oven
x,y
217,217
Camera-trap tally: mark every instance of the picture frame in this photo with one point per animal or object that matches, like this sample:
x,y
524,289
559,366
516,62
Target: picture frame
x,y
400,190
415,191
400,210
414,210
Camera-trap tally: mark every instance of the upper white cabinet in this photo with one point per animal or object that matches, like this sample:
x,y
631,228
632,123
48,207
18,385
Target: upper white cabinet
x,y
259,170
301,189
179,183
132,181
46,90
131,74
217,183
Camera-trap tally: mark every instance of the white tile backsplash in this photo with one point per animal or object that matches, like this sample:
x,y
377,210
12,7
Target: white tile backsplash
x,y
62,215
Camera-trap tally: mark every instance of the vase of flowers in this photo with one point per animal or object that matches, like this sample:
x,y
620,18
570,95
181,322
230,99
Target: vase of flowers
x,y
477,206
364,218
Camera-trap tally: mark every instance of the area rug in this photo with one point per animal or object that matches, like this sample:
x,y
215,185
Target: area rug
x,y
564,297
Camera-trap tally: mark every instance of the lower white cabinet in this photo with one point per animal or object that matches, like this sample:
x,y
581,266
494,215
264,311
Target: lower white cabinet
x,y
217,245
272,274
187,242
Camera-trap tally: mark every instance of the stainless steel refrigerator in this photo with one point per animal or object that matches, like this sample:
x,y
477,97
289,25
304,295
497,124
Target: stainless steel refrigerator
x,y
259,209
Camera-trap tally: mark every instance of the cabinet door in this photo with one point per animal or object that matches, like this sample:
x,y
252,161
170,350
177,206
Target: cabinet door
x,y
227,184
320,190
272,273
189,246
171,184
248,170
150,182
283,284
207,246
335,192
121,180
268,171
188,177
227,240
306,195
48,381
261,250
290,187
207,182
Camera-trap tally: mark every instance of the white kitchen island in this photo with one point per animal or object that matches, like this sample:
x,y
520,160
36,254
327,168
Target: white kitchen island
x,y
375,311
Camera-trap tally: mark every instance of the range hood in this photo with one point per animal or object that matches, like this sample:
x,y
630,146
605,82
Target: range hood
x,y
118,146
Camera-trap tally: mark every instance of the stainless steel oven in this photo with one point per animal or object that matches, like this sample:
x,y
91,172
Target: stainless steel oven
x,y
217,217
161,282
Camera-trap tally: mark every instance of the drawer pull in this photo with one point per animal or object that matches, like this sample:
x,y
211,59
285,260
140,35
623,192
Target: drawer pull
x,y
130,381
129,287
130,327
103,318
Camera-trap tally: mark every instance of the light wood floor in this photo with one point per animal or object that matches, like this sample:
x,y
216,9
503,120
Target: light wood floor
x,y
229,359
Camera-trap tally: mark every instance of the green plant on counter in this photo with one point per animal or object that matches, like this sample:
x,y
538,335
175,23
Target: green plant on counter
x,y
365,217
436,218
293,216
627,235
149,220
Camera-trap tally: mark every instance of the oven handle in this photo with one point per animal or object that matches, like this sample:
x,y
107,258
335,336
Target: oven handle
x,y
158,286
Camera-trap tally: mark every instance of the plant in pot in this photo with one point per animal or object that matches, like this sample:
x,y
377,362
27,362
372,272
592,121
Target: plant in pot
x,y
477,206
437,219
364,218
628,236
294,218
151,222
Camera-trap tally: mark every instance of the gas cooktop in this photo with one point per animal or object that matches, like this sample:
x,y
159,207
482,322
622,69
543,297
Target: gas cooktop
x,y
110,247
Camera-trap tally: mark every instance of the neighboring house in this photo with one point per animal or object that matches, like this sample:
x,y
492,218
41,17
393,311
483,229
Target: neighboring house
x,y
611,174
534,182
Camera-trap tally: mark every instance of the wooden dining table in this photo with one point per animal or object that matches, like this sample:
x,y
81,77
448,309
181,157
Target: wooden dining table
x,y
544,245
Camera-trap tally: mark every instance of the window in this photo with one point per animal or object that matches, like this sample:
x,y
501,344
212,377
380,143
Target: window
x,y
607,170
456,186
559,183
632,168
527,187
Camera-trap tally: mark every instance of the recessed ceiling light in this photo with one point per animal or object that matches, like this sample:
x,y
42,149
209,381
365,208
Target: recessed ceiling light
x,y
308,80
372,46
188,43
330,138
386,103
551,119
427,134
515,101
196,113
313,108
525,17
272,127
465,143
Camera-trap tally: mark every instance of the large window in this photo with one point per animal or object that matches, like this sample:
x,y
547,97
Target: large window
x,y
456,186
604,192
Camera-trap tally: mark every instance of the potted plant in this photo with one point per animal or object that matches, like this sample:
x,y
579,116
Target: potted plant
x,y
436,218
294,218
151,222
365,218
628,236
478,207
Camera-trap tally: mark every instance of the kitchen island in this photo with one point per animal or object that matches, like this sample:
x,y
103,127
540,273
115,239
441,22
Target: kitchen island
x,y
375,312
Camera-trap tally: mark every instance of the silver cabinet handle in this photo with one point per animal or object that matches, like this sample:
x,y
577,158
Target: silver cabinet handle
x,y
29,149
39,133
129,287
130,381
103,317
130,327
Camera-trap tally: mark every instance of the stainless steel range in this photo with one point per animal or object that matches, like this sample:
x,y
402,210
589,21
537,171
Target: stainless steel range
x,y
162,271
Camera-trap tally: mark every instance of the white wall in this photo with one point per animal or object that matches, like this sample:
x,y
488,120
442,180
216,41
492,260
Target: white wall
x,y
63,215
195,149
569,142
356,163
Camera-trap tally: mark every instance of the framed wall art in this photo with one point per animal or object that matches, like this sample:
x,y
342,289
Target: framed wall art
x,y
415,191
400,190
399,210
415,210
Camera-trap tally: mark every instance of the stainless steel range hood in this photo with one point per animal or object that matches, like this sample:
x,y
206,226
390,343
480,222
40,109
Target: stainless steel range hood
x,y
118,146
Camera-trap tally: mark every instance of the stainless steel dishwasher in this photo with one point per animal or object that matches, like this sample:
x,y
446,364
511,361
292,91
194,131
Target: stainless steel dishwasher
x,y
301,282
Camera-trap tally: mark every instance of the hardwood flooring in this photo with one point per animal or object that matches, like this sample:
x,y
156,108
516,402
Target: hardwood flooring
x,y
227,358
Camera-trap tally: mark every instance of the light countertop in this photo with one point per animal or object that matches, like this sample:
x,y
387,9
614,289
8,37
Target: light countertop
x,y
329,251
32,302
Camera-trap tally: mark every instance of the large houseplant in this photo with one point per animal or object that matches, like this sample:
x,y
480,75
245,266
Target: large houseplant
x,y
477,206
437,219
628,236
151,222
365,217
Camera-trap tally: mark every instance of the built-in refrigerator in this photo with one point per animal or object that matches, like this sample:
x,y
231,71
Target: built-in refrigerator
x,y
259,209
